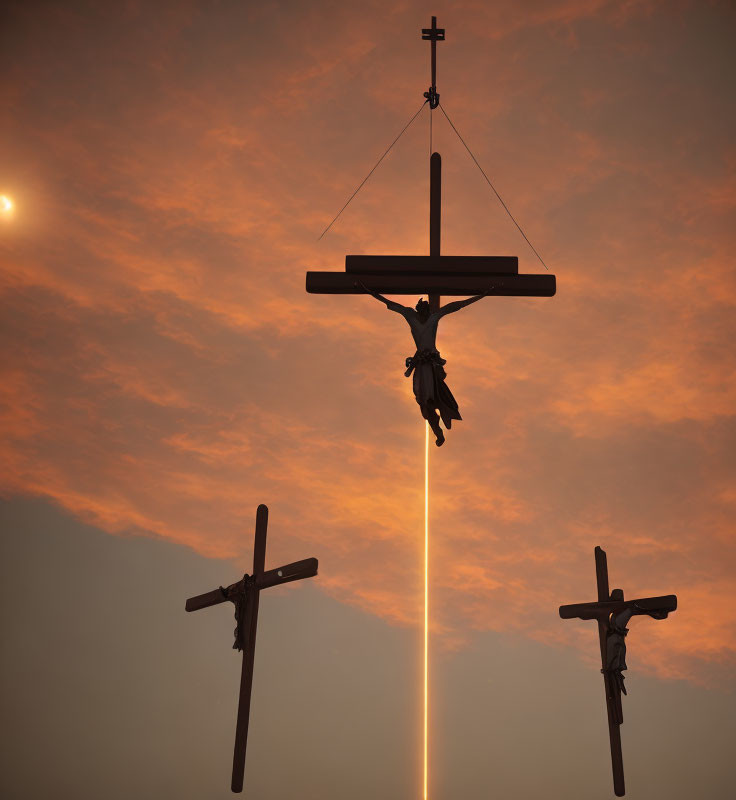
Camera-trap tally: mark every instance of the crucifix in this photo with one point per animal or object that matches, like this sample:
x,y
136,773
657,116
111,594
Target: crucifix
x,y
434,35
245,595
433,275
612,613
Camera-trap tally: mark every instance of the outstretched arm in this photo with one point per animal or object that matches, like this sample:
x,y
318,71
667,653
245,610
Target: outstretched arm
x,y
397,307
450,308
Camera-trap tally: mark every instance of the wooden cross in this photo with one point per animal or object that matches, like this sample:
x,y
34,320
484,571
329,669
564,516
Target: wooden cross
x,y
245,594
434,35
434,274
610,611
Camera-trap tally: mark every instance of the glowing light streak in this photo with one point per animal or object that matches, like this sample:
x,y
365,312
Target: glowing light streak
x,y
426,603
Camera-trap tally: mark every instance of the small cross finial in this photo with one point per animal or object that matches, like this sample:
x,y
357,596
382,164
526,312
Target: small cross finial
x,y
433,35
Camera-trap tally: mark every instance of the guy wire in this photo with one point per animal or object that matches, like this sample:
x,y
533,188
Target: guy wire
x,y
386,152
488,181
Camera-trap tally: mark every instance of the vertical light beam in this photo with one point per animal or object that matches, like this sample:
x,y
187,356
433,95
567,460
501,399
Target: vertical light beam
x,y
426,604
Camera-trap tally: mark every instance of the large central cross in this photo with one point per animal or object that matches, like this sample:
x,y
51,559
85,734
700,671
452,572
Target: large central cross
x,y
245,595
612,613
435,274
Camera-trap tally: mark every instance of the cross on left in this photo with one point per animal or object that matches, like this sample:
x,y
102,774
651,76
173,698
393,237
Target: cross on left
x,y
245,595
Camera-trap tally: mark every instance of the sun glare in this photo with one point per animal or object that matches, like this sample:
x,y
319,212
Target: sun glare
x,y
6,205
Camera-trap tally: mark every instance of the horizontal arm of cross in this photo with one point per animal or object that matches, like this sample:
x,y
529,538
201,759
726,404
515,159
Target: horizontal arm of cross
x,y
459,265
433,34
214,597
296,571
442,284
601,611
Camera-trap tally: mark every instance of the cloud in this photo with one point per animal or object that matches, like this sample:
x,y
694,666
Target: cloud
x,y
165,372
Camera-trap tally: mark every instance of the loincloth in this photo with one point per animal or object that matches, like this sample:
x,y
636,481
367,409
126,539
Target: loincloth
x,y
424,357
430,389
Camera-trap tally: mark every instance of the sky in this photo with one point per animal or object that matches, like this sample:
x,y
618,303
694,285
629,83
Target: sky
x,y
172,165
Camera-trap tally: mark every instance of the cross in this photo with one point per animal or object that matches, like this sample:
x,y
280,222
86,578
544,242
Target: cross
x,y
245,595
434,274
434,35
612,613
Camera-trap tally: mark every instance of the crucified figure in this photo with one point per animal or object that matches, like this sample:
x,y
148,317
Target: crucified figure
x,y
616,638
430,389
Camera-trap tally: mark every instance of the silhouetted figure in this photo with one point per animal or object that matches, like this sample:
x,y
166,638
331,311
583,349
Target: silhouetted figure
x,y
616,648
616,639
430,389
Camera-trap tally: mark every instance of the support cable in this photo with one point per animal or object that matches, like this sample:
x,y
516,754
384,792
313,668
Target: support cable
x,y
488,181
386,152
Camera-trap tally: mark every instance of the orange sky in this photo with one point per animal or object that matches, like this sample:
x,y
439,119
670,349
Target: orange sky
x,y
165,372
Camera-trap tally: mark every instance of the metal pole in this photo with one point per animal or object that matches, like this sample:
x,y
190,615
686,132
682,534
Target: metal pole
x,y
434,53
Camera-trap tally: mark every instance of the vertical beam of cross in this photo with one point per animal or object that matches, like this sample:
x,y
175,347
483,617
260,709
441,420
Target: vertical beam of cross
x,y
433,47
614,729
249,652
433,35
435,217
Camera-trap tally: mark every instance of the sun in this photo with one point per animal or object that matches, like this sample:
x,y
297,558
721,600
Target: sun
x,y
6,205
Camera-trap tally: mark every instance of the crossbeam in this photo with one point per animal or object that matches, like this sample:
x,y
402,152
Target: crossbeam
x,y
612,613
272,577
245,595
458,265
604,610
432,283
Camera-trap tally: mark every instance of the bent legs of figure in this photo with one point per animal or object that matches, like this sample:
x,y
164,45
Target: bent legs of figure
x,y
430,414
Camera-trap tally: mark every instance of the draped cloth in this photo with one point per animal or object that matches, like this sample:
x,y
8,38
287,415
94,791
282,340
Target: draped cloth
x,y
430,389
616,654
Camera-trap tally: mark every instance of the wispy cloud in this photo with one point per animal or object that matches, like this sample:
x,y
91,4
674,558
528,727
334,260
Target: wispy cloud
x,y
164,370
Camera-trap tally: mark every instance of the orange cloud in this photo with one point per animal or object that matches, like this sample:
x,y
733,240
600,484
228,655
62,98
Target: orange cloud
x,y
164,370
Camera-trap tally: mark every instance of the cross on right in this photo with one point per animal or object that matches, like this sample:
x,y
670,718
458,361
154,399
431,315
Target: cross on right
x,y
612,613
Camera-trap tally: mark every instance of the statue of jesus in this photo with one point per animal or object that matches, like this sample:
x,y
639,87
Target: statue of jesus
x,y
616,638
430,389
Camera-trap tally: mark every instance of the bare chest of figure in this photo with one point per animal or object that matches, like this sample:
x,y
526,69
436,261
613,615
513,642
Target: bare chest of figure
x,y
424,333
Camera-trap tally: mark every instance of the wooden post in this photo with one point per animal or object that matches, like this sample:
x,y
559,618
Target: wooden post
x,y
249,651
614,729
435,213
433,46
